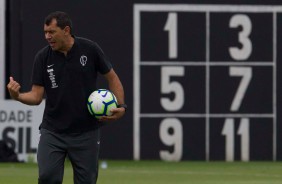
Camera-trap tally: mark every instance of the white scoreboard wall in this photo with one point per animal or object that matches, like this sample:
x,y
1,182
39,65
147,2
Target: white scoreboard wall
x,y
211,92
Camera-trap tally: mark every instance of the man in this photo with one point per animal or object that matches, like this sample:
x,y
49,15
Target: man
x,y
66,71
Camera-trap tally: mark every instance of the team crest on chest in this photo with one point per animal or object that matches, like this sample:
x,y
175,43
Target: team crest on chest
x,y
83,60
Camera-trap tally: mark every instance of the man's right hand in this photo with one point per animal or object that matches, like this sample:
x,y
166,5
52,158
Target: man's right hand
x,y
14,88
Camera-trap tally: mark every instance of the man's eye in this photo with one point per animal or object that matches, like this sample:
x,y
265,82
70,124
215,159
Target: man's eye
x,y
49,32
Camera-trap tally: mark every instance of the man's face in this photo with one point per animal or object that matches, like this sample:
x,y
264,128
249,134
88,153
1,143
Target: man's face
x,y
55,36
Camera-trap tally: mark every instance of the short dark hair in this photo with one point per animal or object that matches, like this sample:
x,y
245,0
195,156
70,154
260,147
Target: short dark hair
x,y
62,18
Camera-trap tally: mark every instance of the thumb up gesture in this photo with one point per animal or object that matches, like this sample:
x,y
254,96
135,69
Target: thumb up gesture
x,y
14,88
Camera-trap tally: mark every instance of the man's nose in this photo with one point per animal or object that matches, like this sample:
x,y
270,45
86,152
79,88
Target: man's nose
x,y
47,36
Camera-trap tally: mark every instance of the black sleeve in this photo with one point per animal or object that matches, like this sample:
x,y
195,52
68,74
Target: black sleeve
x,y
103,64
38,70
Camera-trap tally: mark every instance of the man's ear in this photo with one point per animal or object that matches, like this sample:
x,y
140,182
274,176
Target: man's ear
x,y
67,30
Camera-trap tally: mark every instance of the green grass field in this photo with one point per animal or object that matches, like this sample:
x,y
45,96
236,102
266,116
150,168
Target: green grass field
x,y
157,172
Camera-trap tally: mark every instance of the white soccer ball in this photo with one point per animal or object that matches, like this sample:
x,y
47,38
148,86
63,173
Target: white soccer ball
x,y
100,102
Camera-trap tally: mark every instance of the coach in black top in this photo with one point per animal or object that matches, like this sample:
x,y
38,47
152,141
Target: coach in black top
x,y
66,70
